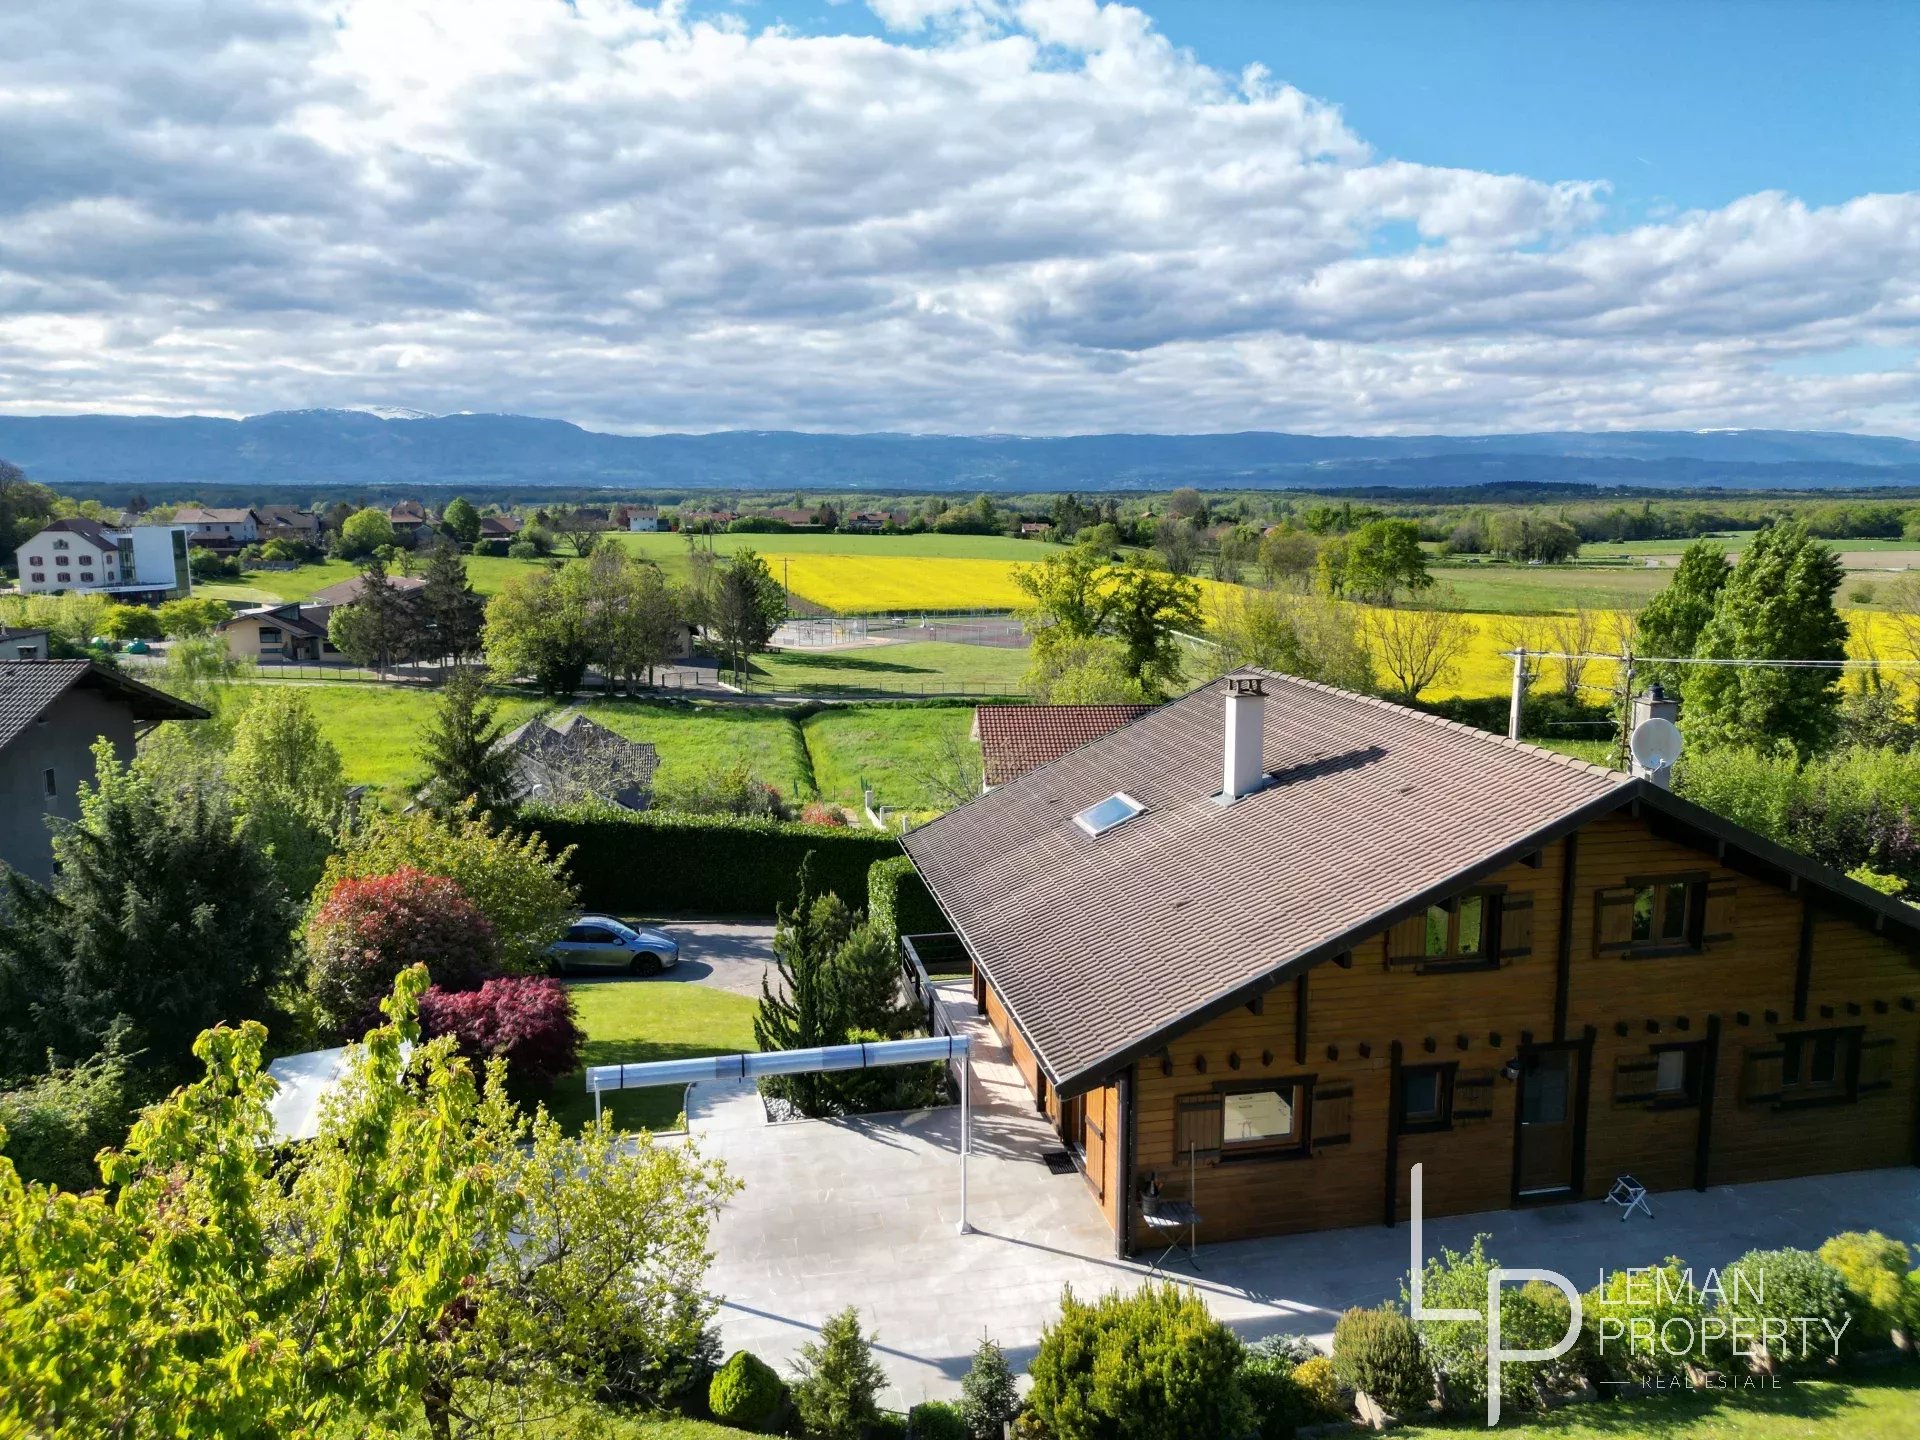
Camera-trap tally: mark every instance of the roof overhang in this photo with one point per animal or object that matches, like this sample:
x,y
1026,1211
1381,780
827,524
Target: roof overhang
x,y
146,702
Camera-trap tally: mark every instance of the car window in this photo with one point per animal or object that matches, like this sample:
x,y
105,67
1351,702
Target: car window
x,y
576,933
597,935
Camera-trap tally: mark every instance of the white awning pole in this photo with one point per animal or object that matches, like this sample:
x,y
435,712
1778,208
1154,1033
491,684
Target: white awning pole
x,y
966,1133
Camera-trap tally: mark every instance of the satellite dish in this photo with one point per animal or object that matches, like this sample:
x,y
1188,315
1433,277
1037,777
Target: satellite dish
x,y
1655,744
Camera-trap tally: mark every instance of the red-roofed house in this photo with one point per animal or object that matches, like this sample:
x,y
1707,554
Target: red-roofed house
x,y
1015,739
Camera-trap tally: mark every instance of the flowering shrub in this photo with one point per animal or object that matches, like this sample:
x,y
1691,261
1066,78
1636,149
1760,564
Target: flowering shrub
x,y
818,812
367,931
528,1021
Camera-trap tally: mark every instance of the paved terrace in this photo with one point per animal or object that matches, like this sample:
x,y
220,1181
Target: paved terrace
x,y
864,1212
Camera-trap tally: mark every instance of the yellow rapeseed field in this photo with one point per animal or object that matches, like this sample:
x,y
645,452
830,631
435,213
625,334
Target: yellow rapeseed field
x,y
872,584
875,584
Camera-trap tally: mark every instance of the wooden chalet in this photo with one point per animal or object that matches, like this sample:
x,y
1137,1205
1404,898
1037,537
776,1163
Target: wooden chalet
x,y
1274,942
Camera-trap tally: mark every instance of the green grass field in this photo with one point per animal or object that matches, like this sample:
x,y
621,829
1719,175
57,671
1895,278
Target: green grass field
x,y
897,750
1544,589
261,587
695,736
630,1021
930,665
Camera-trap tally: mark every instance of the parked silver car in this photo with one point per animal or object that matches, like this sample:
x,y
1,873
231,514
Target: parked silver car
x,y
599,942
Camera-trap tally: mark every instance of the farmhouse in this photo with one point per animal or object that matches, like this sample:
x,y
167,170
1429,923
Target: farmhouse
x,y
279,632
1268,946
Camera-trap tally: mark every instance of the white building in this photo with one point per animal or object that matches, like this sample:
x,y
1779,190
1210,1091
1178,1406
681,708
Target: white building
x,y
643,517
145,562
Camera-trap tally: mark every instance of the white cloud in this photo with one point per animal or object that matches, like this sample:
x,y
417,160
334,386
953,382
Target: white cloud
x,y
1031,215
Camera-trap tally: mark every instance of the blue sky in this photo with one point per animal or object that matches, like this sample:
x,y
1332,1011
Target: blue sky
x,y
1677,103
966,216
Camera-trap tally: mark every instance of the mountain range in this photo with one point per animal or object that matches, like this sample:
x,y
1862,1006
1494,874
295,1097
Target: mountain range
x,y
389,447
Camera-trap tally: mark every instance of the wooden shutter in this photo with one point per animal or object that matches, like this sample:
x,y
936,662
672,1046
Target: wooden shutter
x,y
1198,1123
1876,1065
1760,1074
1613,920
1718,922
1633,1081
1407,941
1332,1114
1516,926
1472,1096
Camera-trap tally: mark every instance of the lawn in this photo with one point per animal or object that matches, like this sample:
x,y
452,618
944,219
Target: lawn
x,y
916,667
1877,1410
264,587
1545,589
629,1021
692,736
377,728
895,749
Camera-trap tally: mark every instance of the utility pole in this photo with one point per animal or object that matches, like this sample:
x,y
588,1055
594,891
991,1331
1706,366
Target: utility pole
x,y
1519,692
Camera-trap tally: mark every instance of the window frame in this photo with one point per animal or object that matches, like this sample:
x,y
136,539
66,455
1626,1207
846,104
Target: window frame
x,y
1487,957
1692,938
1843,1088
1693,1078
1445,1073
1297,1146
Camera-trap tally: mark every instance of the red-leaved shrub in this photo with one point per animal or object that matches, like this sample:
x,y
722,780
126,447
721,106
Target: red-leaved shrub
x,y
368,931
818,812
527,1020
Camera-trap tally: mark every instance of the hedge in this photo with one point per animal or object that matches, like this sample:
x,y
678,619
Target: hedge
x,y
651,861
898,900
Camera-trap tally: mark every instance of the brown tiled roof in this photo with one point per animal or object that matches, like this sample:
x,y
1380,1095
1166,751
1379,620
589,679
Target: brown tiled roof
x,y
1015,739
289,616
28,687
1100,943
345,592
90,530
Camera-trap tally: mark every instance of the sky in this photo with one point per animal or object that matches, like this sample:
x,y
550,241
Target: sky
x,y
967,216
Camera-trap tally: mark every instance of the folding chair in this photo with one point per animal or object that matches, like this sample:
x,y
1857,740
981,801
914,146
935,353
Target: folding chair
x,y
1630,1195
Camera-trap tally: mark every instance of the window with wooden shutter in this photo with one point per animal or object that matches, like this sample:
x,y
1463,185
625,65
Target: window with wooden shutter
x,y
1634,1080
1716,923
1332,1115
1473,1096
1197,1123
1613,920
1760,1071
1516,926
1876,1065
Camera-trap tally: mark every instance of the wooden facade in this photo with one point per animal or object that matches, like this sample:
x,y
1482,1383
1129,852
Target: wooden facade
x,y
1624,1000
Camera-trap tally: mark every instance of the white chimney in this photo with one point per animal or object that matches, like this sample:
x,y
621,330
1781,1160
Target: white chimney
x,y
1243,767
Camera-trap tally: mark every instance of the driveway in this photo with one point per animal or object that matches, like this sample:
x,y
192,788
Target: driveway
x,y
727,953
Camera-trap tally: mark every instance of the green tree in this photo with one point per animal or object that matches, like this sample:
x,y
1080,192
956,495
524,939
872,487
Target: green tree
x,y
25,508
520,884
382,623
804,1009
837,1389
1149,606
1067,596
538,627
989,1395
130,622
1777,605
461,520
1671,623
748,606
1295,631
431,1260
364,532
1376,562
184,619
1085,672
285,779
161,920
451,616
461,751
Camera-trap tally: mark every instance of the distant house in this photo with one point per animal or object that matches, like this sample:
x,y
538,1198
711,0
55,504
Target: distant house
x,y
280,632
1036,529
345,592
22,644
869,521
147,562
222,531
643,518
413,523
572,758
1016,739
499,527
591,515
51,713
699,520
290,521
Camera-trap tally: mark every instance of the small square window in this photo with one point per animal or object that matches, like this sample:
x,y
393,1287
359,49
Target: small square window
x,y
1426,1098
1817,1063
1458,929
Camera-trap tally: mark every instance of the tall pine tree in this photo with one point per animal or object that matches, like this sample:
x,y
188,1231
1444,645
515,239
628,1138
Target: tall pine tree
x,y
1672,622
806,1009
451,615
1777,605
462,752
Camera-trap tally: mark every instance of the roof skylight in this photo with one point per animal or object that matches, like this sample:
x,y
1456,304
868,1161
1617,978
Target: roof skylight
x,y
1114,810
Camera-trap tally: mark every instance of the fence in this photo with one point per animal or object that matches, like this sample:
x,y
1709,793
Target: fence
x,y
929,957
